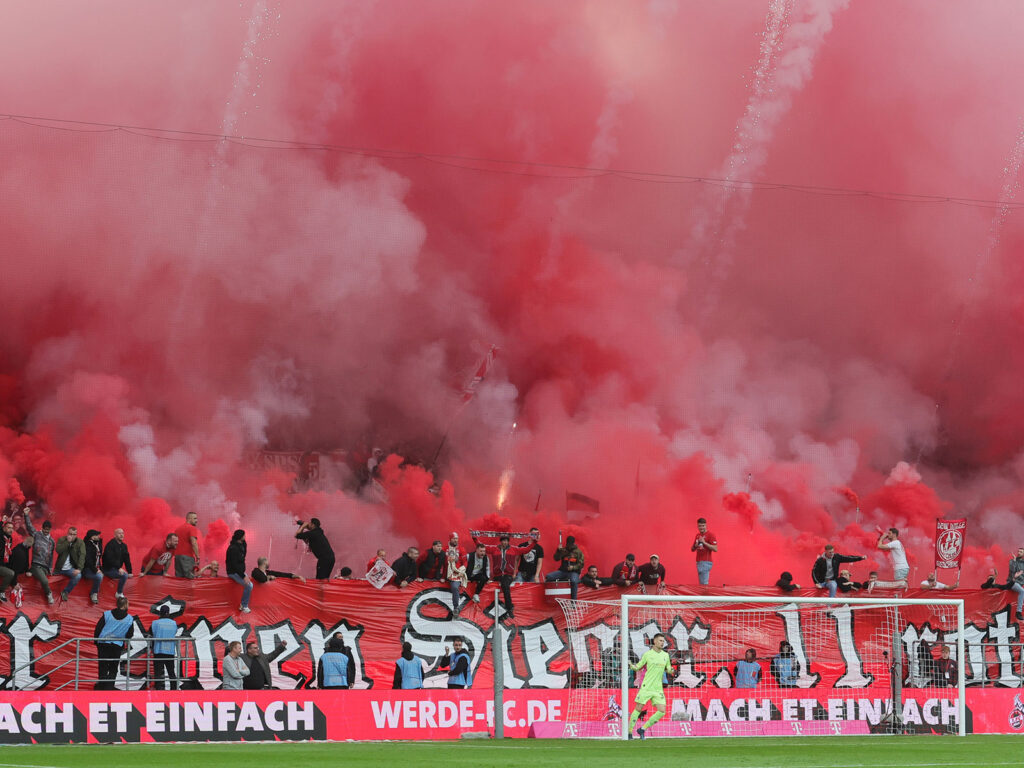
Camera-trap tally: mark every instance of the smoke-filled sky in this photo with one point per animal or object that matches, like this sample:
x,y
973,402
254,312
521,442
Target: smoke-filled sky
x,y
669,338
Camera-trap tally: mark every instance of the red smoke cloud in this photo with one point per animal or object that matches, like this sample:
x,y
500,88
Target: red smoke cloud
x,y
763,358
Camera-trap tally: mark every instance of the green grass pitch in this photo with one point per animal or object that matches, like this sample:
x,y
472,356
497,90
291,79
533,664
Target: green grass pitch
x,y
819,752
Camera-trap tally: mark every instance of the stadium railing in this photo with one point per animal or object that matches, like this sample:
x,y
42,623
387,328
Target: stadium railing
x,y
129,659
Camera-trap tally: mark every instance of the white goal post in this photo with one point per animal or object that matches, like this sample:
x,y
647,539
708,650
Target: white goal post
x,y
851,665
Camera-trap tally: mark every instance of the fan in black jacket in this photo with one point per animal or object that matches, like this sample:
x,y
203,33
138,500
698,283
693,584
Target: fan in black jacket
x,y
478,569
626,573
846,584
234,564
93,568
261,574
7,575
316,539
592,580
18,563
405,568
259,676
785,582
117,562
830,561
432,564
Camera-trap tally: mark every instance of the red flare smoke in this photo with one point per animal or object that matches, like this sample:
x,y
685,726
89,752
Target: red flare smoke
x,y
849,494
173,307
741,505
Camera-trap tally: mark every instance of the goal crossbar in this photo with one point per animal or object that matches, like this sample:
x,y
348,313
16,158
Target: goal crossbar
x,y
627,599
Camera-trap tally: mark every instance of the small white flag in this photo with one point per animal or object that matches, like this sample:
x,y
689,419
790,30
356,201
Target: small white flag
x,y
380,574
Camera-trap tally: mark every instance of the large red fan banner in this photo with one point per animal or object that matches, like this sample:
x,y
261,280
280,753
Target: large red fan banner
x,y
375,623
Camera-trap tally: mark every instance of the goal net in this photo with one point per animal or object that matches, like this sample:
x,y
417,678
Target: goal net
x,y
763,666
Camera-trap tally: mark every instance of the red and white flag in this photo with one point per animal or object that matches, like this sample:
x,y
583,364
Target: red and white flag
x,y
580,507
481,373
949,542
380,575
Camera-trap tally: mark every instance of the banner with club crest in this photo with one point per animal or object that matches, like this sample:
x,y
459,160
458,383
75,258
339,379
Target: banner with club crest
x,y
949,542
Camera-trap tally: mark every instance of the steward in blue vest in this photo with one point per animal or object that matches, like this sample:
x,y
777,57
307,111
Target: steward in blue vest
x,y
333,669
459,673
111,630
408,670
785,666
164,650
748,671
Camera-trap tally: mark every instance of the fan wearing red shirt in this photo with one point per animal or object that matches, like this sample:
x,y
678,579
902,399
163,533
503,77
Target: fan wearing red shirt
x,y
382,554
186,562
158,559
704,543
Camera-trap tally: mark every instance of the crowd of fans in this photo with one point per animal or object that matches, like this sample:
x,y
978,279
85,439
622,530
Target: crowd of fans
x,y
466,573
178,553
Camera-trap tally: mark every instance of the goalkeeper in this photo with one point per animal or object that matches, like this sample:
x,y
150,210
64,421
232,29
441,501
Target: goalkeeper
x,y
655,662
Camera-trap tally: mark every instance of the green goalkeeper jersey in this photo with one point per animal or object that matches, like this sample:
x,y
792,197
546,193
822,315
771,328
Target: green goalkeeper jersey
x,y
656,662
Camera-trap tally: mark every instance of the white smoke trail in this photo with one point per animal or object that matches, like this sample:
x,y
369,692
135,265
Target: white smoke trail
x,y
1007,194
793,34
248,77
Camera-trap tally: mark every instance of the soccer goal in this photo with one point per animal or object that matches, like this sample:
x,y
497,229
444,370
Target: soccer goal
x,y
764,666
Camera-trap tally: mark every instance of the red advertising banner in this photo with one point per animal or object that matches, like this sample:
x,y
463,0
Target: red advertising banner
x,y
169,716
996,710
166,716
949,542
